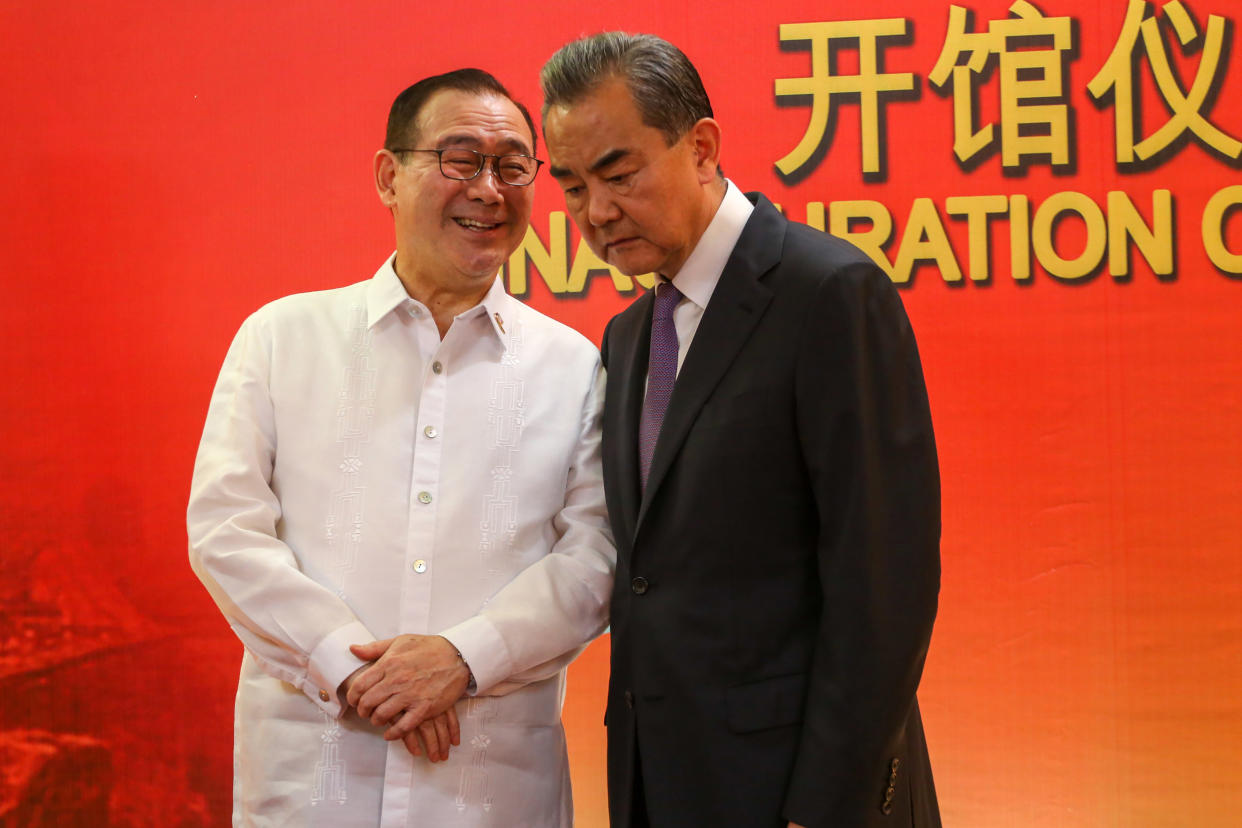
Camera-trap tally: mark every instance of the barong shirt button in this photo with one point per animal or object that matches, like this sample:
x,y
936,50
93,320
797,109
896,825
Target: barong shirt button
x,y
420,566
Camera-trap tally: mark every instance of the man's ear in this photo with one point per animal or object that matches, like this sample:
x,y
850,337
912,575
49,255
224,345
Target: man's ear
x,y
705,138
385,172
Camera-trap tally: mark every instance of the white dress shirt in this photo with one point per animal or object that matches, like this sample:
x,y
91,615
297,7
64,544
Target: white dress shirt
x,y
358,478
701,271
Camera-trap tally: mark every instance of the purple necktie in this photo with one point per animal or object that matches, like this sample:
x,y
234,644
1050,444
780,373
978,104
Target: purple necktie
x,y
661,374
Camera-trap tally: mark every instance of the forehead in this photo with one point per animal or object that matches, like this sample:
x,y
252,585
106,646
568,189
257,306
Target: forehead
x,y
454,117
602,121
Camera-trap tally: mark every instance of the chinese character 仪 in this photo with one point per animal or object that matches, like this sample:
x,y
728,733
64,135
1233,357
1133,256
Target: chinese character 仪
x,y
826,89
1117,76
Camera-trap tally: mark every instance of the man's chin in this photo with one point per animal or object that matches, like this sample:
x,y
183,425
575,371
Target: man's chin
x,y
484,262
633,265
475,275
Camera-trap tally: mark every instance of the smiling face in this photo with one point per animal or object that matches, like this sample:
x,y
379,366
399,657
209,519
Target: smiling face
x,y
453,236
640,204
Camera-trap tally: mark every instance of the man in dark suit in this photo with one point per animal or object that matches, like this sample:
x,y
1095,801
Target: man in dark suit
x,y
770,472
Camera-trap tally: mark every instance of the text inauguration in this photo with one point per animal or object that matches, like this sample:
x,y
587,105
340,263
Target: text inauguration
x,y
1069,235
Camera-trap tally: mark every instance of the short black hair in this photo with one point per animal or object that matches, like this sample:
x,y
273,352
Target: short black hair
x,y
663,82
402,117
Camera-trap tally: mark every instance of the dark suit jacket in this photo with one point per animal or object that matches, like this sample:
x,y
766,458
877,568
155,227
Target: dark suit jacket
x,y
777,583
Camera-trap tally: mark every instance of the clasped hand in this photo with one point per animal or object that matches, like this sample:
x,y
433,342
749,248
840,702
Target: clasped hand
x,y
411,687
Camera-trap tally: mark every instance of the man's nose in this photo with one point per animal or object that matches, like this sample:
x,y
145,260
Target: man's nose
x,y
486,185
601,208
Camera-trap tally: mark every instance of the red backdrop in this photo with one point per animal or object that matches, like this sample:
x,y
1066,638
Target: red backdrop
x,y
168,168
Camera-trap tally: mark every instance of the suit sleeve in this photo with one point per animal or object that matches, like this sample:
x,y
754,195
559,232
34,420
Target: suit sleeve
x,y
866,434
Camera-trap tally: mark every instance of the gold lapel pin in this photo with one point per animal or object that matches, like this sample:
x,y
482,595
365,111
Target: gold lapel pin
x,y
500,322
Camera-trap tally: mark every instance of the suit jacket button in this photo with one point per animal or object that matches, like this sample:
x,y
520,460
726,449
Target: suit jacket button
x,y
629,699
639,585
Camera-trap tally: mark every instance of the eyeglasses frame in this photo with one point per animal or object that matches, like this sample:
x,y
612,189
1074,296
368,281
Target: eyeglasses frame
x,y
483,156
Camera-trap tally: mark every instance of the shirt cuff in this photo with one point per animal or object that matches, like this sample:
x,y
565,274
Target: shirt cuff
x,y
331,663
484,651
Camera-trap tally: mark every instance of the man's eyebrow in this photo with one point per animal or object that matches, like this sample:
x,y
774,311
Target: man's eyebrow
x,y
508,145
610,157
461,140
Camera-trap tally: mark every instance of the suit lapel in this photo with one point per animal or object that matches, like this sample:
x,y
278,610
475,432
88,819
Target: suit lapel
x,y
634,339
736,306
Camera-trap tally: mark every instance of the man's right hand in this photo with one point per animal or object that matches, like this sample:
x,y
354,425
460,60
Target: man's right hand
x,y
414,678
432,738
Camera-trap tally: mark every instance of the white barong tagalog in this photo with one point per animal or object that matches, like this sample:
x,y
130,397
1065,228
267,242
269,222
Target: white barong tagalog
x,y
359,478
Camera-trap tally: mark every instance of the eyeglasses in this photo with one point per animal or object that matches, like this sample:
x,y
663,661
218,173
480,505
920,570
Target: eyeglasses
x,y
465,164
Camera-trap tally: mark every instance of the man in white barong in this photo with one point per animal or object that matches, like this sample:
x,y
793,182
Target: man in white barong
x,y
397,505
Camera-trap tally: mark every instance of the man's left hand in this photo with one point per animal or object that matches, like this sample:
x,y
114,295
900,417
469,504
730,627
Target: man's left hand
x,y
414,678
435,737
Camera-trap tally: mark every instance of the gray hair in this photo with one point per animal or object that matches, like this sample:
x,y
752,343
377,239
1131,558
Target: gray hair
x,y
663,82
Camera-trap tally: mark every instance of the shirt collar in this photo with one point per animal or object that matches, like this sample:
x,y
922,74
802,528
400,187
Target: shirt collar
x,y
385,293
497,307
698,276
